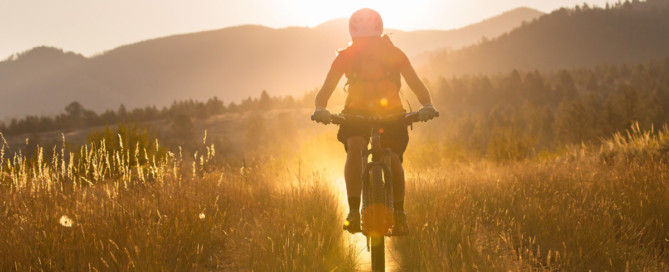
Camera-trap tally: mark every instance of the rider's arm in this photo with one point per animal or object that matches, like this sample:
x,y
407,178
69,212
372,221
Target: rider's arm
x,y
330,84
415,83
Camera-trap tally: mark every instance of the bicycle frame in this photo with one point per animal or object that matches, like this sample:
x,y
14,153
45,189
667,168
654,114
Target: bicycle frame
x,y
377,175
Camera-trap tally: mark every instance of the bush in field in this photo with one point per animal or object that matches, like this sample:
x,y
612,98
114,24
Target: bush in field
x,y
636,145
182,130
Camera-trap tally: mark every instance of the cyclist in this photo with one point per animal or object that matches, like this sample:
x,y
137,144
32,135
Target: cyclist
x,y
372,65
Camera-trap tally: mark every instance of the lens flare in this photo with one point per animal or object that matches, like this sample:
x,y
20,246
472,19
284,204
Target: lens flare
x,y
65,221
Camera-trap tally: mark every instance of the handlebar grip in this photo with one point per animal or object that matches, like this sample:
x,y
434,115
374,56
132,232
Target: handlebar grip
x,y
411,118
414,117
334,118
337,119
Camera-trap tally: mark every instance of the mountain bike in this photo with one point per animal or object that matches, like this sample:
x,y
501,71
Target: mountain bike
x,y
377,183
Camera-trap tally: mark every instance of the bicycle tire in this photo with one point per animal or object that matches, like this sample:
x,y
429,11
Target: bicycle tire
x,y
378,253
377,238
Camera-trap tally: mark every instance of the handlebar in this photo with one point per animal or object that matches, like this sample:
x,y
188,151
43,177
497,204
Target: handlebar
x,y
409,118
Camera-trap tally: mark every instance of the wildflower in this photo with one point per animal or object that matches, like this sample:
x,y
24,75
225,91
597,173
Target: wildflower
x,y
66,221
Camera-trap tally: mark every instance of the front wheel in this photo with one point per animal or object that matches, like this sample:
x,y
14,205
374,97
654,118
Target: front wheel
x,y
378,253
378,213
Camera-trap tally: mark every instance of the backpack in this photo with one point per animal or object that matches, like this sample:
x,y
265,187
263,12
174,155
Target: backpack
x,y
373,79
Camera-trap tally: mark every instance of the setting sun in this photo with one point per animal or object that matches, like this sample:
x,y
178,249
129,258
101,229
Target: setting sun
x,y
396,14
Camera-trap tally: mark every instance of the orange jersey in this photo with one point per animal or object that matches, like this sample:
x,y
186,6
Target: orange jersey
x,y
373,71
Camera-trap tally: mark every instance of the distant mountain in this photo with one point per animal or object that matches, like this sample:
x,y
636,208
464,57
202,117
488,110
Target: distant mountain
x,y
231,63
630,32
34,65
424,40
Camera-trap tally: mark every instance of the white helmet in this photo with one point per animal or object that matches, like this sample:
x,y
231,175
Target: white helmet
x,y
365,23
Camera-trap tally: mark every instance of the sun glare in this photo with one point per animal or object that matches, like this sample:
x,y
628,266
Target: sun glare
x,y
394,13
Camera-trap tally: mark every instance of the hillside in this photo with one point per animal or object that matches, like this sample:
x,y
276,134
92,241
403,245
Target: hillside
x,y
231,63
567,38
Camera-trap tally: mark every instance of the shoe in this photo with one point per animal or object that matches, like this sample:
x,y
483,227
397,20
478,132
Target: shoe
x,y
400,228
352,223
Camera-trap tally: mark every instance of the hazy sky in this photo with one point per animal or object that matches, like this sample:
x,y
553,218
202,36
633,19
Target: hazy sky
x,y
93,26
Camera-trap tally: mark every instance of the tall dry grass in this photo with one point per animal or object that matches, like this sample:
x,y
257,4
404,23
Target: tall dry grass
x,y
124,202
122,207
593,210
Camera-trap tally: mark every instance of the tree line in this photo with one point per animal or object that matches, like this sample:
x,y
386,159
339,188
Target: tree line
x,y
519,114
505,116
76,116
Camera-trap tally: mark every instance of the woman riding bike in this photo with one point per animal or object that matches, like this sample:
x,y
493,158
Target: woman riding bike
x,y
373,66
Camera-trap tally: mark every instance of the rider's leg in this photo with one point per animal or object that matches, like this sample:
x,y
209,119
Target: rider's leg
x,y
353,170
398,182
400,227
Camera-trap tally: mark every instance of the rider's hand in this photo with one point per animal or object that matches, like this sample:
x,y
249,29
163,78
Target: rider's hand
x,y
322,115
427,112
